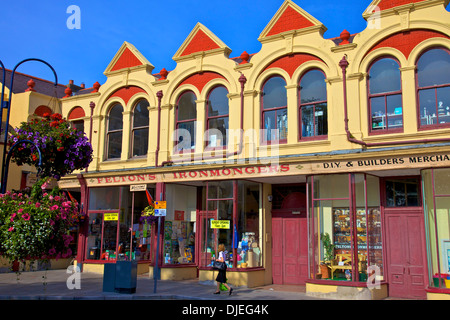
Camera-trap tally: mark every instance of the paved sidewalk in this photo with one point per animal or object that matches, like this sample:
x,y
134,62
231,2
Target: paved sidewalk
x,y
52,285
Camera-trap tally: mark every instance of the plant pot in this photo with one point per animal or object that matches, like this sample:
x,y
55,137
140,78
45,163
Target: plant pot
x,y
325,270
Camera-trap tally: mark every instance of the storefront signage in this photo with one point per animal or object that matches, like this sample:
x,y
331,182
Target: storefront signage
x,y
160,212
220,224
389,163
160,204
299,168
138,187
160,208
111,216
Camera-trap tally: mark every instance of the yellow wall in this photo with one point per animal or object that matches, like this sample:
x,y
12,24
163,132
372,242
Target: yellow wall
x,y
431,16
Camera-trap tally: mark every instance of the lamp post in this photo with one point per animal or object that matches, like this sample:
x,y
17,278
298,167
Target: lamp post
x,y
5,164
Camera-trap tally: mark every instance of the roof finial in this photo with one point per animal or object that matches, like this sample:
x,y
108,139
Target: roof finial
x,y
345,35
30,85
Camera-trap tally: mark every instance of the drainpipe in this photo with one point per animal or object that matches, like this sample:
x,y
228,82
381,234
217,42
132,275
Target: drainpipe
x,y
159,94
242,80
92,106
344,64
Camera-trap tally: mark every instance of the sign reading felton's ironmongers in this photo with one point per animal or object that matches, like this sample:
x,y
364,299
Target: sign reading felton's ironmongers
x,y
301,168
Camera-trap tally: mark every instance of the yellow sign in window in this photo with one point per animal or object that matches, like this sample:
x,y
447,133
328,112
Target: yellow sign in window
x,y
220,224
111,216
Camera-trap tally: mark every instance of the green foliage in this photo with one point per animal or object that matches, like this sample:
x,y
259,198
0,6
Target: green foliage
x,y
35,224
63,148
328,246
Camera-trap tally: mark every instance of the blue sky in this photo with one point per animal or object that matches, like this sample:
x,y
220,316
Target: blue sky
x,y
38,29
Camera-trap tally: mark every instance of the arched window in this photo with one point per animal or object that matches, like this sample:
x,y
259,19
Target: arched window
x,y
114,134
433,88
274,111
186,118
385,96
75,118
313,105
217,117
140,129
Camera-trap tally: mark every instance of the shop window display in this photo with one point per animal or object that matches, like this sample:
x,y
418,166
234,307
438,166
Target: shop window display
x,y
179,224
437,217
345,227
247,237
116,231
233,219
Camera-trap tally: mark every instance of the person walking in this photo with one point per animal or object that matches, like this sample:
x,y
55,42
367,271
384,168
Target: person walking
x,y
222,276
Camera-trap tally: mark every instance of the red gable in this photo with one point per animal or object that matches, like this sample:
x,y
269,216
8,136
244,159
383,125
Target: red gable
x,y
201,79
126,60
290,19
292,62
407,41
126,93
388,4
200,42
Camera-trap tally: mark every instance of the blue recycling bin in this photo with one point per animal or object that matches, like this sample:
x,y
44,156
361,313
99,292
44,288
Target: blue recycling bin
x,y
109,277
126,277
120,277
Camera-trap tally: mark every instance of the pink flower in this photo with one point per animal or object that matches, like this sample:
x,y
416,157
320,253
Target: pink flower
x,y
52,251
11,229
52,223
55,207
20,210
37,204
44,186
26,216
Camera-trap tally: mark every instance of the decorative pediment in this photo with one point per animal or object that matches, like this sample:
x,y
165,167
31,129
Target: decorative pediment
x,y
201,39
378,6
128,57
291,18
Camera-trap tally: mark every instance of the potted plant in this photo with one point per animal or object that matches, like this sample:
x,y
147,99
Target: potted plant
x,y
328,254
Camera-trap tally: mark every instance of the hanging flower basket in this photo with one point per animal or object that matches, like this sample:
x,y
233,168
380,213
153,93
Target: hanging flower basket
x,y
35,224
63,148
148,215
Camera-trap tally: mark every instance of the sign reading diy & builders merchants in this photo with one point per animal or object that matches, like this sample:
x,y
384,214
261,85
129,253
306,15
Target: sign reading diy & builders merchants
x,y
297,167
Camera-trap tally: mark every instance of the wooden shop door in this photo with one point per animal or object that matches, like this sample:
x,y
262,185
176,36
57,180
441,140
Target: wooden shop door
x,y
289,249
405,253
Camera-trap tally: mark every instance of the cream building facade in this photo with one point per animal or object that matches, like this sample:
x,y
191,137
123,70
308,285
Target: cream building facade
x,y
309,136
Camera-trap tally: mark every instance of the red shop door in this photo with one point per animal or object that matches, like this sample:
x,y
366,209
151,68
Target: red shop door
x,y
289,249
405,252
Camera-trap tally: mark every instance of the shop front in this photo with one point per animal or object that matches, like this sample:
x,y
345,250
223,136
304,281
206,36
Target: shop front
x,y
436,190
115,230
358,227
381,232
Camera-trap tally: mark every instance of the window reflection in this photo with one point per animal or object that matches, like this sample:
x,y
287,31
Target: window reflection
x,y
385,96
